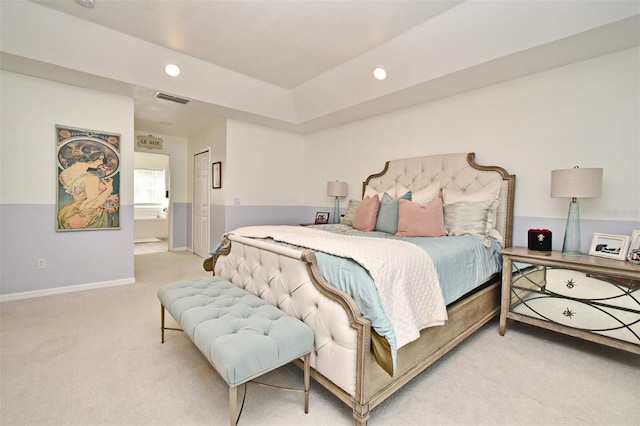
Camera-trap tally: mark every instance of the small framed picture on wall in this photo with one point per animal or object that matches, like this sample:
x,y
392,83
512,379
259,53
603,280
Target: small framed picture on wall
x,y
216,175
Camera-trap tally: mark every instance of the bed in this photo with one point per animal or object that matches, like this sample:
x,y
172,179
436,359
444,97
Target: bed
x,y
353,359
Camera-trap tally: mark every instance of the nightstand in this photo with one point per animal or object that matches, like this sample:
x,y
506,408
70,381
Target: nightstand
x,y
589,297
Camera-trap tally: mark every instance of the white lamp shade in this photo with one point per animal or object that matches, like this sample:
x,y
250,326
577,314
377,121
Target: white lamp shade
x,y
336,189
576,183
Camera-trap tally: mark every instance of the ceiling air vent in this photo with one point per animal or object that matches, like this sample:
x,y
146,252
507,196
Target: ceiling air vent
x,y
172,98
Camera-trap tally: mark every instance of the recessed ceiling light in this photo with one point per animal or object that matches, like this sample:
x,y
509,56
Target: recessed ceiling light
x,y
380,73
165,123
172,70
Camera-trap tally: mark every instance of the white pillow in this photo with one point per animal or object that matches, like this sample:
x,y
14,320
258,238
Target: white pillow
x,y
489,192
395,191
370,192
426,195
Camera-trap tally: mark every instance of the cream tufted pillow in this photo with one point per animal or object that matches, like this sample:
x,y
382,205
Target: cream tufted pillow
x,y
489,192
395,191
427,194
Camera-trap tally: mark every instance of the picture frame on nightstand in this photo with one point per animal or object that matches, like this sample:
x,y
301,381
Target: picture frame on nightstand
x,y
322,218
633,255
609,245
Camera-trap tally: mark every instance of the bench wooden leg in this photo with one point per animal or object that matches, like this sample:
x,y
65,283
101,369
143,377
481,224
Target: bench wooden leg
x,y
307,375
233,404
162,327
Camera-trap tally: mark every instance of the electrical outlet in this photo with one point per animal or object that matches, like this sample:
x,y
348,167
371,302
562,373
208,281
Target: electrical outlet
x,y
42,263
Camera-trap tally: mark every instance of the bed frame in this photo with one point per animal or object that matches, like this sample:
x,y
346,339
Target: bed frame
x,y
342,361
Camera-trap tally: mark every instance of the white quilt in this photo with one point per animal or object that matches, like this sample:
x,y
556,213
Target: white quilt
x,y
403,273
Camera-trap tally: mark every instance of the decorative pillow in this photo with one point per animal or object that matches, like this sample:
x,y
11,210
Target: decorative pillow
x,y
364,218
418,221
475,219
387,220
351,210
426,194
489,192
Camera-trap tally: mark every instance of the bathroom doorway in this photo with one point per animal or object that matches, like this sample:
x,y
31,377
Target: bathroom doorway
x,y
151,203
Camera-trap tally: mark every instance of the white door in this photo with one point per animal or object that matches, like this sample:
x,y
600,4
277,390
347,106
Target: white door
x,y
201,192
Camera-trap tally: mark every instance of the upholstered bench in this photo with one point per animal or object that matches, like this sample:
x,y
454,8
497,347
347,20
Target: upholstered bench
x,y
241,335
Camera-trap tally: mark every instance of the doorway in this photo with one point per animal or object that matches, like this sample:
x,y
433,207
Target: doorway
x,y
151,203
201,197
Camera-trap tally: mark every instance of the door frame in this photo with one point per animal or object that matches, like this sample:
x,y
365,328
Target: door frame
x,y
169,190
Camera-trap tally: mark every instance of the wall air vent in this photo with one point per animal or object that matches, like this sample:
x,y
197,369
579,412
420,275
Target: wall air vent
x,y
172,98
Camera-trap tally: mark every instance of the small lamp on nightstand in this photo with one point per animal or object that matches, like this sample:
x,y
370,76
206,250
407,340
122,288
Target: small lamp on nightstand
x,y
336,189
575,183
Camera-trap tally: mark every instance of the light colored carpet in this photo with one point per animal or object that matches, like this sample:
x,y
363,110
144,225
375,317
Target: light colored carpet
x,y
146,240
154,245
95,358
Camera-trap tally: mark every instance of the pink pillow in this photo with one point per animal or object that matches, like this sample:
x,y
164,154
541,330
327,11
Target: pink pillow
x,y
364,219
417,221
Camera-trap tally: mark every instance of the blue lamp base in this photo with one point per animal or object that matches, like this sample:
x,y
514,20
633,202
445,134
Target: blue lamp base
x,y
336,211
571,244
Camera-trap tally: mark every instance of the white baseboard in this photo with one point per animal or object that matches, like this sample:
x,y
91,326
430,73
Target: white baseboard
x,y
67,289
179,249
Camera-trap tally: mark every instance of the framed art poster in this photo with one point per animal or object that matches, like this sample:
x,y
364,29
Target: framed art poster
x,y
88,196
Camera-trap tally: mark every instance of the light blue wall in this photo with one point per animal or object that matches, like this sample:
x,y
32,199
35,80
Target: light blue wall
x,y
72,258
587,228
181,225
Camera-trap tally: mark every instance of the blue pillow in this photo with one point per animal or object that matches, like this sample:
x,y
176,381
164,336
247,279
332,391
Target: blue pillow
x,y
387,220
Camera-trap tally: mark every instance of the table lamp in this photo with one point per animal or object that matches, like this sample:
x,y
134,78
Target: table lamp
x,y
575,183
336,189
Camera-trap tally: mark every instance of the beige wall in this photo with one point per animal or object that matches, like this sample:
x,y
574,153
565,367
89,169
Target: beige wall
x,y
585,114
264,166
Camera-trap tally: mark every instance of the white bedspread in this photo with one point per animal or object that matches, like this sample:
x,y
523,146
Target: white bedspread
x,y
404,274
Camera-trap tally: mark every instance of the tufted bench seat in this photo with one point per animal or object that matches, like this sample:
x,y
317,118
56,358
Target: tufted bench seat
x,y
240,334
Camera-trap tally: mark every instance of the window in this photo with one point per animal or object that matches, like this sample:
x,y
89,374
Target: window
x,y
149,187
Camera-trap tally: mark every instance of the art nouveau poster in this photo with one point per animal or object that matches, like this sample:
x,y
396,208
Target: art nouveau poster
x,y
88,179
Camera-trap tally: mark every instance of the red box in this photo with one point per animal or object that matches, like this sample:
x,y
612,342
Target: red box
x,y
540,239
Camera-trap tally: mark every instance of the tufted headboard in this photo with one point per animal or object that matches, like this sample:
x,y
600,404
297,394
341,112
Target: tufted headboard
x,y
456,171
